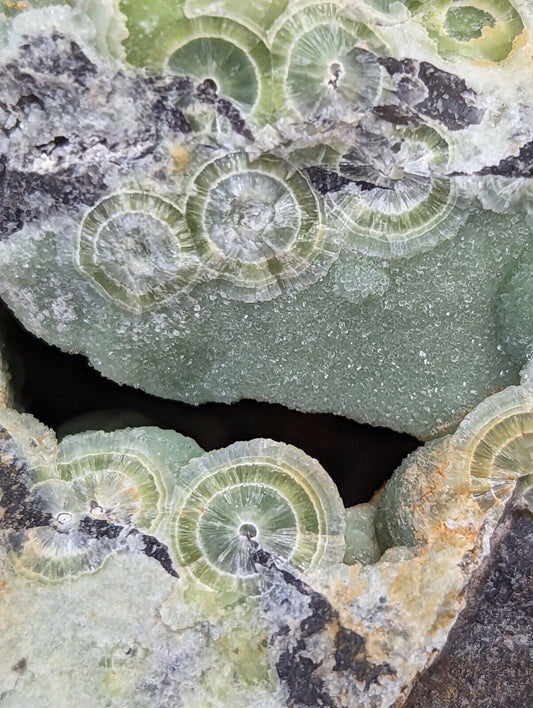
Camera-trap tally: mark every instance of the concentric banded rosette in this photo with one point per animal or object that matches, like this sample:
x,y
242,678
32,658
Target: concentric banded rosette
x,y
406,210
114,480
136,248
59,550
227,54
110,483
258,225
324,66
480,30
495,445
255,494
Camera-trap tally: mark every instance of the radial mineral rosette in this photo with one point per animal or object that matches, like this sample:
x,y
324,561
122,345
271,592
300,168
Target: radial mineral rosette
x,y
135,246
495,445
228,55
111,485
406,210
258,225
323,66
255,495
117,478
59,550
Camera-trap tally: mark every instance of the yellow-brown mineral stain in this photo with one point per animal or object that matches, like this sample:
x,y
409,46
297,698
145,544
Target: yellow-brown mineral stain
x,y
17,5
180,157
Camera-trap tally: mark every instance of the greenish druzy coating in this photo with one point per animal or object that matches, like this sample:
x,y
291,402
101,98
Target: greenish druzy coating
x,y
514,310
277,202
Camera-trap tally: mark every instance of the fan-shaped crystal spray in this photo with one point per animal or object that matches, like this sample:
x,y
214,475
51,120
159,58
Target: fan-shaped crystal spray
x,y
323,66
257,494
495,445
258,225
111,483
136,247
397,203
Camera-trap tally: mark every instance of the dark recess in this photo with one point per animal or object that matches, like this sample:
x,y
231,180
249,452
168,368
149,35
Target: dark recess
x,y
55,387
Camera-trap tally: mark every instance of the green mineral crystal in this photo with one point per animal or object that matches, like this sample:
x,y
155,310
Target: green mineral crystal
x,y
280,204
321,204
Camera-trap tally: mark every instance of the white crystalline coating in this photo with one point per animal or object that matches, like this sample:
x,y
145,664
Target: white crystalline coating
x,y
495,446
136,247
255,495
355,278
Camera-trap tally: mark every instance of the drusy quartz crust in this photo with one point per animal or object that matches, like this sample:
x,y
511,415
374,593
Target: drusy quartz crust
x,y
321,204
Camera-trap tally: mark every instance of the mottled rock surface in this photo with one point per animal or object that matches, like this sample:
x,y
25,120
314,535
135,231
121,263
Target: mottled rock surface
x,y
487,661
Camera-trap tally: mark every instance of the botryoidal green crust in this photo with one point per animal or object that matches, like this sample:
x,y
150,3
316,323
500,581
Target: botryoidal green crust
x,y
281,202
210,579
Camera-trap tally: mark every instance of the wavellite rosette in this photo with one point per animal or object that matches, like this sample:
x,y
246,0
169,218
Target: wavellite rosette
x,y
323,64
258,225
230,57
495,445
488,457
136,247
257,494
402,203
106,483
350,238
479,30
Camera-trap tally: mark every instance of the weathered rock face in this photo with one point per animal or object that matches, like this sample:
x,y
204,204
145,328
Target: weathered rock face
x,y
487,658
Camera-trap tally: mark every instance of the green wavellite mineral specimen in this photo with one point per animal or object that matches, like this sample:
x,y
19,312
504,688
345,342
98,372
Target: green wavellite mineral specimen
x,y
318,204
286,210
139,570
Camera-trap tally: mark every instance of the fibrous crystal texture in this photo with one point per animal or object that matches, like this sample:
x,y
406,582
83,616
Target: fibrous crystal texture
x,y
236,577
320,204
